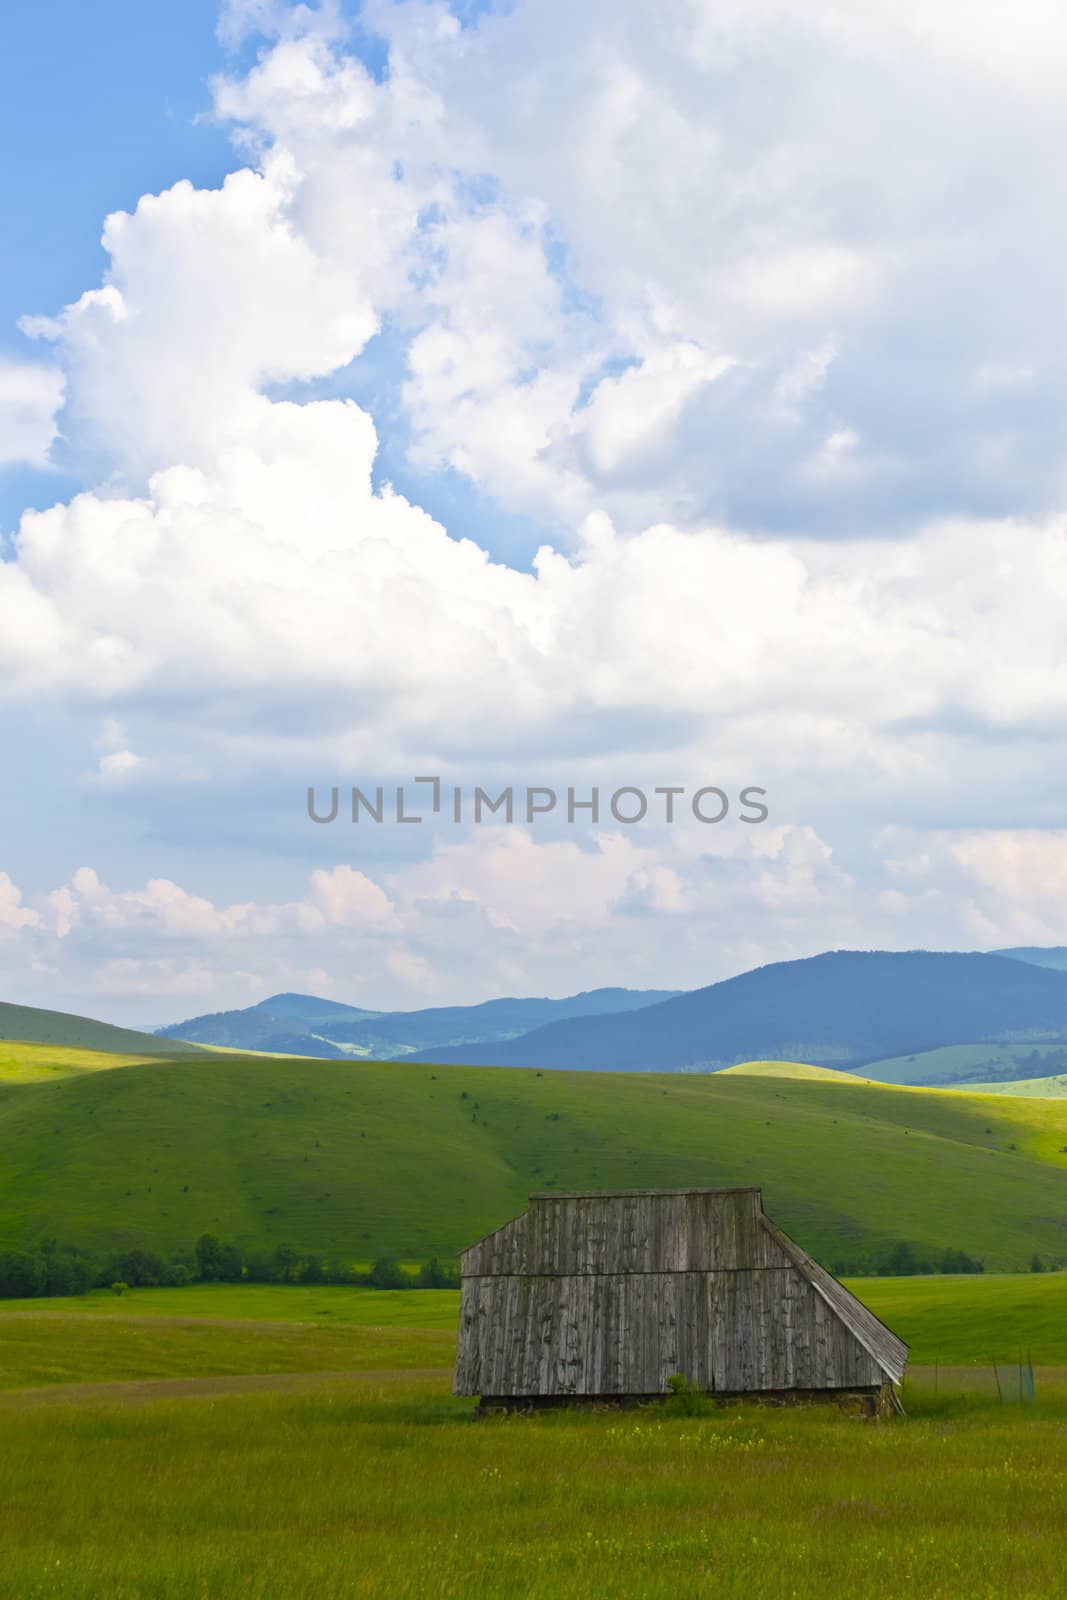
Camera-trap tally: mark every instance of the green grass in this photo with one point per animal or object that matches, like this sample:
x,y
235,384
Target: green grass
x,y
1054,1088
22,1062
357,1158
383,1486
298,1302
30,1024
389,1490
979,1318
954,1320
970,1063
49,1348
792,1069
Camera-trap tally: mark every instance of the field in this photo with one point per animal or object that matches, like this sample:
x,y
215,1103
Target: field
x,y
966,1064
357,1158
46,1063
30,1024
348,1470
1036,1088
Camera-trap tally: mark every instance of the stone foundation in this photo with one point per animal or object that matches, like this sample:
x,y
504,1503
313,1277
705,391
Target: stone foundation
x,y
869,1402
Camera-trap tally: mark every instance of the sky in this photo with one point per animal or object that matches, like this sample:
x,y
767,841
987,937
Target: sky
x,y
615,397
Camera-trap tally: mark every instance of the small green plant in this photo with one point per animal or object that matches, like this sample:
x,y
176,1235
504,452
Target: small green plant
x,y
684,1400
119,1287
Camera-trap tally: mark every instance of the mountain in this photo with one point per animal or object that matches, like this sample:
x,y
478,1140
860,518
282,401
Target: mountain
x,y
356,1159
291,1024
841,1009
309,1008
1038,955
62,1028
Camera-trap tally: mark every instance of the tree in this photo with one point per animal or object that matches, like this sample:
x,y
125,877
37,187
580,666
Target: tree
x,y
387,1273
21,1274
209,1258
432,1275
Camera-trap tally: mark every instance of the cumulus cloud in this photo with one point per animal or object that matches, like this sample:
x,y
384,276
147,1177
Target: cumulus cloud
x,y
785,403
535,909
30,396
13,914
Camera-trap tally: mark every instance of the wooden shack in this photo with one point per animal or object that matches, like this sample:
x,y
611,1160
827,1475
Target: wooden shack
x,y
606,1296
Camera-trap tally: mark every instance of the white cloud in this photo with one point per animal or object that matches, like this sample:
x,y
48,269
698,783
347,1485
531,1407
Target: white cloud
x,y
536,911
30,396
211,294
348,898
786,402
13,914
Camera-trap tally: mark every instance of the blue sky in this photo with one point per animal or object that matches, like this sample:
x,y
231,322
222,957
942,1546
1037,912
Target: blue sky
x,y
98,104
529,395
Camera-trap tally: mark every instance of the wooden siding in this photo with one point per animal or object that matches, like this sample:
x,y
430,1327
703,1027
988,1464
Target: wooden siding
x,y
890,1352
637,1232
602,1334
611,1294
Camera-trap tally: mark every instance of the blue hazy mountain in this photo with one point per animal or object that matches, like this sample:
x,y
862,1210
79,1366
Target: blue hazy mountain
x,y
843,1009
304,1025
1054,956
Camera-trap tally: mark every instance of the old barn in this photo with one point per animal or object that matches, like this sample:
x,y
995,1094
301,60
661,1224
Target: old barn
x,y
607,1295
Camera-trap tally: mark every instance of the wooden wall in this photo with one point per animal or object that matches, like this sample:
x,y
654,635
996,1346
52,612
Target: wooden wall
x,y
601,1294
623,1334
646,1231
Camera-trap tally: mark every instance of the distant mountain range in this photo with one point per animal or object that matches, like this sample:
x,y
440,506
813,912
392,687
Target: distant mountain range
x,y
844,1009
1038,956
304,1025
913,1017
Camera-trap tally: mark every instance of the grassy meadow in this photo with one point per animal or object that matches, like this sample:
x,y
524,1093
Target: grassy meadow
x,y
1054,1087
360,1158
247,1442
249,1328
959,1064
366,1478
61,1028
22,1062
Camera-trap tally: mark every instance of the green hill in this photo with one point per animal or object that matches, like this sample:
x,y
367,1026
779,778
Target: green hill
x,y
357,1158
1054,1088
792,1069
967,1064
30,1025
44,1063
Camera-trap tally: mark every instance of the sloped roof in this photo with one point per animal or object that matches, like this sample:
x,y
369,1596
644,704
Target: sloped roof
x,y
880,1342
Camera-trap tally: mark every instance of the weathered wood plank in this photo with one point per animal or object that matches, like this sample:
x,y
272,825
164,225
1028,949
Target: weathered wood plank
x,y
599,1294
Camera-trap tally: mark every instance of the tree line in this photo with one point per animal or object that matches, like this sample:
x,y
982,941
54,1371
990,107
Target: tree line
x,y
52,1268
899,1259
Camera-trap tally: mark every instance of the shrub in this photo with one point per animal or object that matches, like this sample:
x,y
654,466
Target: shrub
x,y
684,1400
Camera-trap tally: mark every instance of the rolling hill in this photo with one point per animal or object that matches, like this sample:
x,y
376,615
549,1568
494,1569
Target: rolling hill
x,y
971,1064
307,1026
356,1158
45,1063
845,1008
1054,1088
30,1025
